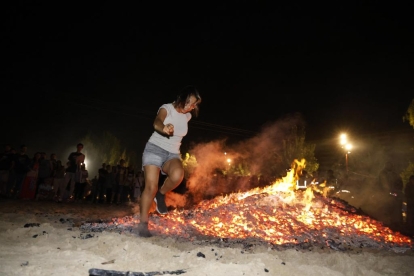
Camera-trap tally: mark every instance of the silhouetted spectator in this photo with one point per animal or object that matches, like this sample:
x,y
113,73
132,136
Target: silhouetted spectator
x,y
45,172
138,186
29,184
22,166
59,184
76,159
98,192
53,160
6,164
110,182
80,186
120,179
128,189
12,174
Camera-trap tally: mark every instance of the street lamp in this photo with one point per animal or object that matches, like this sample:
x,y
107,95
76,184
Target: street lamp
x,y
347,146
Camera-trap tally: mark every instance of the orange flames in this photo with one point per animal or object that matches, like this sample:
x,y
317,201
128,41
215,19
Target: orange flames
x,y
278,214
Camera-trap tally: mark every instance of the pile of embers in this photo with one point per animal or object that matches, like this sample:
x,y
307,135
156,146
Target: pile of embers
x,y
276,219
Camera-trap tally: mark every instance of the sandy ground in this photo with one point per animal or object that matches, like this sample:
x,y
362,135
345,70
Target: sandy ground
x,y
58,247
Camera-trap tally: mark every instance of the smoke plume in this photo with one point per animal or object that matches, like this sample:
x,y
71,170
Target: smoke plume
x,y
262,154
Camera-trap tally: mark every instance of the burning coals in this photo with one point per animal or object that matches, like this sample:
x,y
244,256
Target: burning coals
x,y
278,215
264,217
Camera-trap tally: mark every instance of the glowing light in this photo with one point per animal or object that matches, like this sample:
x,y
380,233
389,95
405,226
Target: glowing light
x,y
229,160
343,140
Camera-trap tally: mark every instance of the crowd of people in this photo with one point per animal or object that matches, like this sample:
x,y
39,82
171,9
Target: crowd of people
x,y
43,178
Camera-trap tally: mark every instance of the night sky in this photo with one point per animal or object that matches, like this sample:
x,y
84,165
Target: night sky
x,y
70,67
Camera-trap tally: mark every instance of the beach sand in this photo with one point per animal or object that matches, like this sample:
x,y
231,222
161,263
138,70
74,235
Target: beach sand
x,y
58,247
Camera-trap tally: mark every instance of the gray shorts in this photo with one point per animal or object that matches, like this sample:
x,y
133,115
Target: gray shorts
x,y
154,155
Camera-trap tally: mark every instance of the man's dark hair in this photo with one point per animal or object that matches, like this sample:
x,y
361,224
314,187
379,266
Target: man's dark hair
x,y
23,146
80,144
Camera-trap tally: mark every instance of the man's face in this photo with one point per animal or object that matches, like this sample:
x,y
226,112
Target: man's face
x,y
53,157
80,148
23,149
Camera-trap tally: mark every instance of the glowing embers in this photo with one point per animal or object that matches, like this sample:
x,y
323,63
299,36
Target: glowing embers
x,y
279,214
269,218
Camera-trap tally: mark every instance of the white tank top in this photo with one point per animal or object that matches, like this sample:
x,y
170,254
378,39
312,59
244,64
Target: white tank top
x,y
180,123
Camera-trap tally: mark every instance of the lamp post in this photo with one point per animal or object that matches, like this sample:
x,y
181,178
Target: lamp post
x,y
347,147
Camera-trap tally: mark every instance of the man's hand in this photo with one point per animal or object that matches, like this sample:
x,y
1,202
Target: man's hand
x,y
168,129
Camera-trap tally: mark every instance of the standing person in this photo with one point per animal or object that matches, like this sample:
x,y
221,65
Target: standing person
x,y
44,180
80,186
59,184
22,164
162,153
29,185
409,196
120,179
44,168
6,165
138,186
12,174
68,180
98,191
110,182
53,165
76,159
128,184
